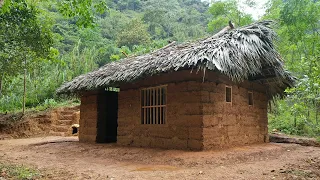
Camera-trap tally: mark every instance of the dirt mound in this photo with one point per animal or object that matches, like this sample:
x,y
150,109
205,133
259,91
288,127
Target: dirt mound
x,y
283,138
18,125
55,121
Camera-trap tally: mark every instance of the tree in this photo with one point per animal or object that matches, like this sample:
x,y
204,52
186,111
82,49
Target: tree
x,y
83,10
299,36
135,33
22,39
225,11
100,40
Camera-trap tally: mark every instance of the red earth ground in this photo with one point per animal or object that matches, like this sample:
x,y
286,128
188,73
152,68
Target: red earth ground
x,y
66,158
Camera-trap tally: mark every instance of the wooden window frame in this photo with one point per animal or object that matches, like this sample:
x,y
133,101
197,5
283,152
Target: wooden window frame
x,y
225,94
153,107
250,92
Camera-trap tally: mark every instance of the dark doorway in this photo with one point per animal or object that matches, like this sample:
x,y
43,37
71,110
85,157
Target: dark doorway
x,y
107,123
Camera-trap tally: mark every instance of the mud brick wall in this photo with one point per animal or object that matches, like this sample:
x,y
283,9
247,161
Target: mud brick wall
x,y
183,128
236,123
197,115
88,118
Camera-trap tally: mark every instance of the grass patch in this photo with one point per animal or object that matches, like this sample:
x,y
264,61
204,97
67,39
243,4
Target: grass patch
x,y
47,104
51,103
9,171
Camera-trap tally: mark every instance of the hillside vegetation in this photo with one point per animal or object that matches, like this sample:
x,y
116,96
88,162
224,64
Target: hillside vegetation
x,y
54,41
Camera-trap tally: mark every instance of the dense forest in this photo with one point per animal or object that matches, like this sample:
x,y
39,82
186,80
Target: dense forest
x,y
50,42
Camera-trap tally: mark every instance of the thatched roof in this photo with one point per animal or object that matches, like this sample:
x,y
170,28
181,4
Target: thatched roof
x,y
246,53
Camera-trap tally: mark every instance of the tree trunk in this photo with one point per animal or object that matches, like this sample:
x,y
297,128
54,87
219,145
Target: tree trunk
x,y
0,86
317,111
24,86
24,92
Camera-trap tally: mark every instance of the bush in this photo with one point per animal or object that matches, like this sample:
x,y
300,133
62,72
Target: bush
x,y
285,118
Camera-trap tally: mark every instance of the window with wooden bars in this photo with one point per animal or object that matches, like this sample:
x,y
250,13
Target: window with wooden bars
x,y
228,94
250,98
153,105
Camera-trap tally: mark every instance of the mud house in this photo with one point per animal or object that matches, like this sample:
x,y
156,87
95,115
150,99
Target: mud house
x,y
212,93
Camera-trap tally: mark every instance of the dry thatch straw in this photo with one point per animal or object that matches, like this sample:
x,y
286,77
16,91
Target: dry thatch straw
x,y
246,53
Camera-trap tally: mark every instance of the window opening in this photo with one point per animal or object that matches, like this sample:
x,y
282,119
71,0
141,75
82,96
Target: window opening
x,y
153,105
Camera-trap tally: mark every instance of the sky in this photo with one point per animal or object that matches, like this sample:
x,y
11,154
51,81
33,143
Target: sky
x,y
256,12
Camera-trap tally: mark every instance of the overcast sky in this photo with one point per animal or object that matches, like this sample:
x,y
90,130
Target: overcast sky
x,y
256,12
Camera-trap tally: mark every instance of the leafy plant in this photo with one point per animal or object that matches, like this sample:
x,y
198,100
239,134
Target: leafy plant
x,y
18,172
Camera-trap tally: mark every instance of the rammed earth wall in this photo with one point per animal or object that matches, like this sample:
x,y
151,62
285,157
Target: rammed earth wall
x,y
183,128
88,117
235,123
197,115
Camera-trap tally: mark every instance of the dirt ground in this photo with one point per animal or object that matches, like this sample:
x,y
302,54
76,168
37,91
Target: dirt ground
x,y
59,159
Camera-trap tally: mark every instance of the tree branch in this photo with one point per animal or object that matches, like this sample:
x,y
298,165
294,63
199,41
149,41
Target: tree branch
x,y
224,30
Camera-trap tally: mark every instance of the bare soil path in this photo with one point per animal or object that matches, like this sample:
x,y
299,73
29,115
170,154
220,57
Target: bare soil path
x,y
66,158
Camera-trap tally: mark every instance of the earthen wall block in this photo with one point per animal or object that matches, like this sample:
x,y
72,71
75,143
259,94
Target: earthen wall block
x,y
193,109
211,120
209,86
229,119
141,141
187,121
213,132
194,86
91,123
176,143
209,108
196,133
157,142
161,132
177,87
195,144
90,99
213,143
233,130
124,140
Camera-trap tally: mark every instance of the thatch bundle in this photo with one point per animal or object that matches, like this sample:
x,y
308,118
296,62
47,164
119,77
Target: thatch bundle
x,y
246,53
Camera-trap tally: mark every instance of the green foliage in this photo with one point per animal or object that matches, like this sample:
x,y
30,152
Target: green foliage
x,y
52,103
135,33
283,120
131,26
166,19
225,11
24,39
298,43
82,10
9,171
